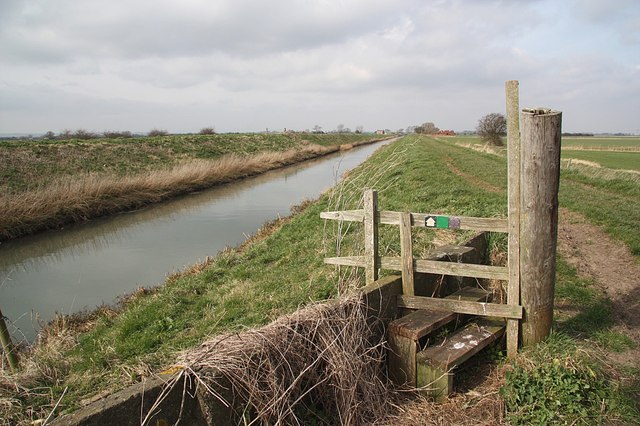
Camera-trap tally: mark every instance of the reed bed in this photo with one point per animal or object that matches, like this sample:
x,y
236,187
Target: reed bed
x,y
75,199
323,364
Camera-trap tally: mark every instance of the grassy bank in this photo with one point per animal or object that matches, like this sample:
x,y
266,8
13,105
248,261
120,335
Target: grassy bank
x,y
47,184
282,269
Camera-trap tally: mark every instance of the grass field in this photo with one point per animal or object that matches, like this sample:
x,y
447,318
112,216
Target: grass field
x,y
48,184
612,159
283,270
621,142
29,164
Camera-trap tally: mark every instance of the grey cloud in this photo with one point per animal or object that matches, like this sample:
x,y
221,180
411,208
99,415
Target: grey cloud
x,y
256,64
164,29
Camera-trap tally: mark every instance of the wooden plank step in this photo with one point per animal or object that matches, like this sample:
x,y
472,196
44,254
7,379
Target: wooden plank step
x,y
435,364
422,322
404,335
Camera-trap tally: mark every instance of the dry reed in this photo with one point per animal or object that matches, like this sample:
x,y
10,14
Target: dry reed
x,y
595,170
78,199
325,358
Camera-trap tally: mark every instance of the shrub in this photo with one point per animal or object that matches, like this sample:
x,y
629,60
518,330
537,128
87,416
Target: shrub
x,y
208,131
116,134
84,134
65,134
157,132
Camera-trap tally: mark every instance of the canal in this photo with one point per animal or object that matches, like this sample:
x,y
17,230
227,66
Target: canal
x,y
81,267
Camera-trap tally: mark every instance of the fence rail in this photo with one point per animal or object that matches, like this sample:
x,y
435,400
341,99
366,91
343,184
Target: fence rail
x,y
419,220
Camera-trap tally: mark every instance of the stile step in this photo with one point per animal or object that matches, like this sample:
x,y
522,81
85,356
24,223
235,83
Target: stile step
x,y
435,364
404,334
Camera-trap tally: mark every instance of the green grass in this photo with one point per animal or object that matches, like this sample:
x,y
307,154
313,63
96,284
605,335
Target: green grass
x,y
602,142
612,159
613,204
557,381
283,271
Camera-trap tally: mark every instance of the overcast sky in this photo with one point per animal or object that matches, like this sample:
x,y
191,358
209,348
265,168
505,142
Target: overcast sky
x,y
248,65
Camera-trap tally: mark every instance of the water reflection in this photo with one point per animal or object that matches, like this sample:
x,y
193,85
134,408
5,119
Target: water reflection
x,y
89,264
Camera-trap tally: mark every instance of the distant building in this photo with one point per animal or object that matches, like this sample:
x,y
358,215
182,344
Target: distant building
x,y
381,132
446,133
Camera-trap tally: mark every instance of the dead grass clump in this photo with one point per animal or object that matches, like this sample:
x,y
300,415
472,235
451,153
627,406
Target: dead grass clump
x,y
76,199
595,170
27,395
322,363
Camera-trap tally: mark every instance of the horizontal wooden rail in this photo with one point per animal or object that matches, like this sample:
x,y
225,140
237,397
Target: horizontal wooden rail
x,y
418,220
449,268
346,261
429,267
461,306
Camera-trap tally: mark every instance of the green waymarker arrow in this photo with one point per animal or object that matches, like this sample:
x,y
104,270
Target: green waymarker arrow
x,y
442,222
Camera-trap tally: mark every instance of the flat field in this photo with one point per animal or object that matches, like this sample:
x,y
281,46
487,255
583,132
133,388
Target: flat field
x,y
605,143
612,159
48,184
282,269
29,164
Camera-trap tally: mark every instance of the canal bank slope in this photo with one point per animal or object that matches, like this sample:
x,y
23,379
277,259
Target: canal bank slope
x,y
49,184
281,269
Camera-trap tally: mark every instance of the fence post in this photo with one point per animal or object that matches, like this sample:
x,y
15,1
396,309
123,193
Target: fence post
x,y
371,235
7,346
406,253
513,183
540,155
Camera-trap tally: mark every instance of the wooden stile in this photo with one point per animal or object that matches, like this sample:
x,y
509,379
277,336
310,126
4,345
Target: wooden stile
x,y
461,306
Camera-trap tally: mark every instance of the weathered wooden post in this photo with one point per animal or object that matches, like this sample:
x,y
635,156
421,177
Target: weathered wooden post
x,y
7,346
371,235
540,155
406,253
513,171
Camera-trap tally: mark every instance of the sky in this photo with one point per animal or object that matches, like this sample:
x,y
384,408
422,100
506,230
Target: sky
x,y
252,65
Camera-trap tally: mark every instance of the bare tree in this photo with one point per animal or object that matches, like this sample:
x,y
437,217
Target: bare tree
x,y
207,131
157,132
427,128
340,128
492,127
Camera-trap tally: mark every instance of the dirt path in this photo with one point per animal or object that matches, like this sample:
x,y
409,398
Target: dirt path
x,y
610,264
473,180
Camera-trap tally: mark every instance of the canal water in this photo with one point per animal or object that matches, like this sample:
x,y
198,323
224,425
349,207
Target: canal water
x,y
84,266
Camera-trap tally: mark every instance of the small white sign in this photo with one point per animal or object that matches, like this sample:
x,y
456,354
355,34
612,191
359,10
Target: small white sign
x,y
430,222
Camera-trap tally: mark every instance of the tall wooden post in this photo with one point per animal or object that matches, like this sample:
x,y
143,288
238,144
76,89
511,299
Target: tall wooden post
x,y
406,253
7,346
540,156
513,171
371,235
